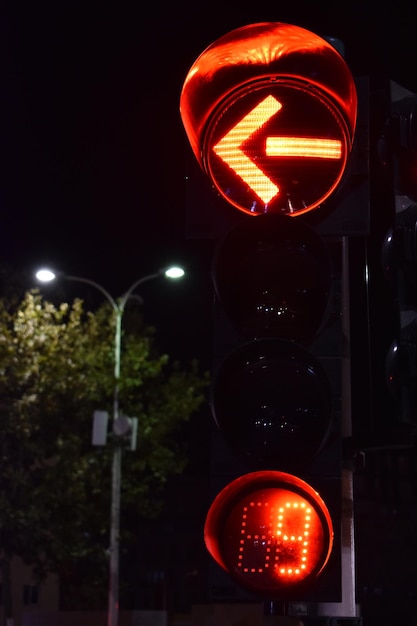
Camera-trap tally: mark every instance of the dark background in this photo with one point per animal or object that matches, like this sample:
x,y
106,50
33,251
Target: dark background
x,y
92,182
92,145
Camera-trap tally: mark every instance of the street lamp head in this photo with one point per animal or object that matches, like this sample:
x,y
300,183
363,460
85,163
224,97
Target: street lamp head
x,y
174,272
45,275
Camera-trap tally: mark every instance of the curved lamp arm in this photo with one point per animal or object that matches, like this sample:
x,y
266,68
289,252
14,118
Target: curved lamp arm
x,y
125,297
93,283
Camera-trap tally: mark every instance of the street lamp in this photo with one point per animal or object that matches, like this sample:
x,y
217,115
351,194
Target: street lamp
x,y
47,275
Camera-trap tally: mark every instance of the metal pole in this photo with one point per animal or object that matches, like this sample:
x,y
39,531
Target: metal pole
x,y
348,530
113,601
116,483
116,468
347,607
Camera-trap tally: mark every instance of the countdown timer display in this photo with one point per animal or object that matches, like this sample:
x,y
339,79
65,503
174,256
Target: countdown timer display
x,y
271,531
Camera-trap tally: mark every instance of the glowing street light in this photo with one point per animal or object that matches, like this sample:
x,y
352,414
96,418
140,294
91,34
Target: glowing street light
x,y
47,275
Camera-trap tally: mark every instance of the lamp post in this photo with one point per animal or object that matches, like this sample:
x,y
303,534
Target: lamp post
x,y
46,275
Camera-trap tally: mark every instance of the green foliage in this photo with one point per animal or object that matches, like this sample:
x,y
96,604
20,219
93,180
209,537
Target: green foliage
x,y
56,368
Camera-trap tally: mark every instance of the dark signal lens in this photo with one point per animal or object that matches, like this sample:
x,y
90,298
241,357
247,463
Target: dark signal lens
x,y
272,402
273,276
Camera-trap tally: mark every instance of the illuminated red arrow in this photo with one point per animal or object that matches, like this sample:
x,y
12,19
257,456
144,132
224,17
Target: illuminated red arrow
x,y
304,147
229,148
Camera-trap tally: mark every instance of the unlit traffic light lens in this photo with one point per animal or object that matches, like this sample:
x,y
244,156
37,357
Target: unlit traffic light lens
x,y
272,402
273,276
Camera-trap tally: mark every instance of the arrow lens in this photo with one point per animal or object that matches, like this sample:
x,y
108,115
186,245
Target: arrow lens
x,y
277,149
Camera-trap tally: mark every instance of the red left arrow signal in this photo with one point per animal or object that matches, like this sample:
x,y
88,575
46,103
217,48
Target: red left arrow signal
x,y
229,148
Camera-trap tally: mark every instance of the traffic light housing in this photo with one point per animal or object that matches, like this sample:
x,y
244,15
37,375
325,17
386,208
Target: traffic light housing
x,y
276,393
272,113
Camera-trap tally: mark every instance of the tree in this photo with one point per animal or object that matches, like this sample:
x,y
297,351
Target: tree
x,y
56,368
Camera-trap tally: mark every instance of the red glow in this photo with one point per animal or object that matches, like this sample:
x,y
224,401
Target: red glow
x,y
269,530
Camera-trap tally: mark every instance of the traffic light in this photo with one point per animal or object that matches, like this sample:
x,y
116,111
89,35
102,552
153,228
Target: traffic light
x,y
399,153
276,401
278,126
